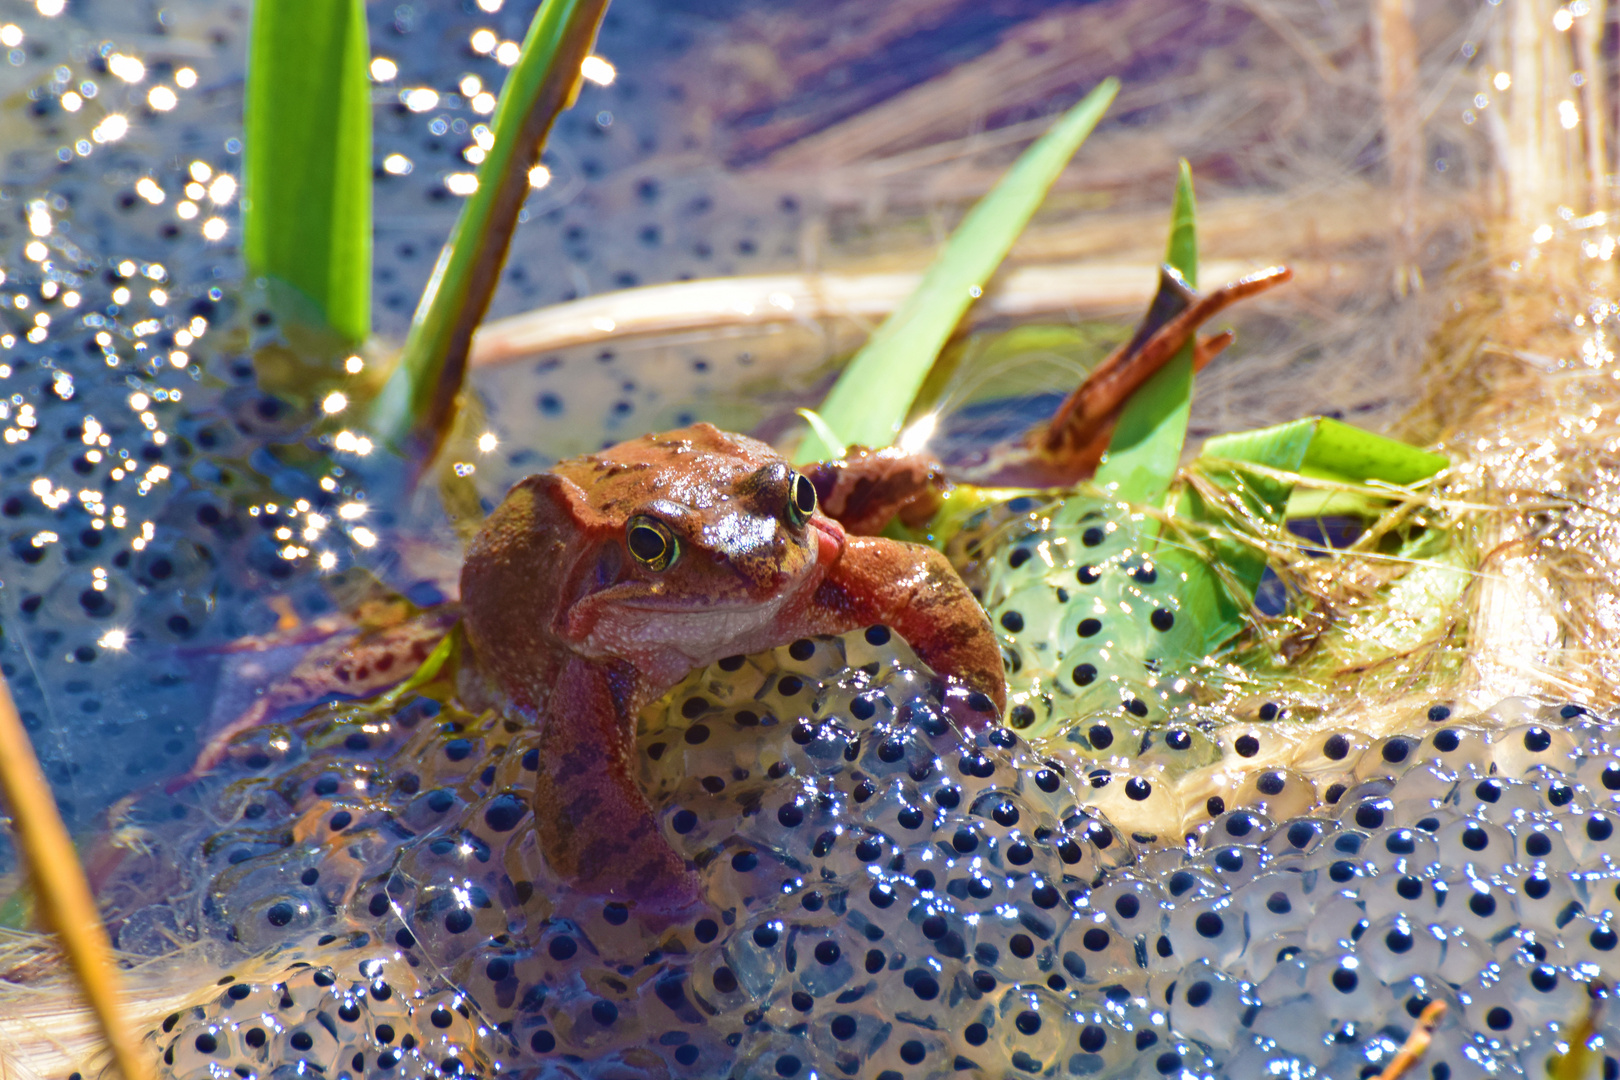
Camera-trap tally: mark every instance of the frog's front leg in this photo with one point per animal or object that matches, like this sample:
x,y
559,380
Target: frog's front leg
x,y
594,823
912,589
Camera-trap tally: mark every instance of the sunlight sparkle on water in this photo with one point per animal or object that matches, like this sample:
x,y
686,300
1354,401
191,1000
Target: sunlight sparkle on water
x,y
128,68
419,99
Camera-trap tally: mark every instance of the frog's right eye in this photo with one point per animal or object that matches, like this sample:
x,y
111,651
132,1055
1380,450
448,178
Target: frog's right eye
x,y
651,543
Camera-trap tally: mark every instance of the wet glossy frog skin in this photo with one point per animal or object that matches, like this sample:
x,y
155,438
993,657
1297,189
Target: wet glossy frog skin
x,y
595,587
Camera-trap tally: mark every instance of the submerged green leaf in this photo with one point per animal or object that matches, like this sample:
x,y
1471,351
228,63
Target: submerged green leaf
x,y
418,403
1145,449
875,392
306,195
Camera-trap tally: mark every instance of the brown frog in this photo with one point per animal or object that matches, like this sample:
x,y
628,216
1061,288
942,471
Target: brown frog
x,y
595,587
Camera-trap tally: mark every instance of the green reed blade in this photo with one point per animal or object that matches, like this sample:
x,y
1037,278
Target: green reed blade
x,y
418,402
1145,449
873,395
306,198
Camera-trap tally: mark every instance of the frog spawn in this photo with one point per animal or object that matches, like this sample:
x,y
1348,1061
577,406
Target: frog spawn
x,y
894,898
1089,604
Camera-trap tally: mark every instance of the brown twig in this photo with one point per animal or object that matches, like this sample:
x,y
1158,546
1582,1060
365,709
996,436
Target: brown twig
x,y
1416,1043
64,894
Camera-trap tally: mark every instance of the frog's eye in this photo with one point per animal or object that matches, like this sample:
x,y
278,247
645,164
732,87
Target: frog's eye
x,y
651,542
801,499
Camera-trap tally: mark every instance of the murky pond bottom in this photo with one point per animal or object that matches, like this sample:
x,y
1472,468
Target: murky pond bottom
x,y
1129,879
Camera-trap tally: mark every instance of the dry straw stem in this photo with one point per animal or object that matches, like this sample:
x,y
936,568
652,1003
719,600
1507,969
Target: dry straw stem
x,y
1416,1043
64,894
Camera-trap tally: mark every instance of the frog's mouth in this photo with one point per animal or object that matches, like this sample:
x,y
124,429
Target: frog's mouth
x,y
830,539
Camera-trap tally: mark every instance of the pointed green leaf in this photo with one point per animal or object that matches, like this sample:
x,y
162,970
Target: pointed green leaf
x,y
306,194
1145,449
873,395
824,432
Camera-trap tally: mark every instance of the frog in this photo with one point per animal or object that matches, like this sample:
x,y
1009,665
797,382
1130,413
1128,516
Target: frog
x,y
597,585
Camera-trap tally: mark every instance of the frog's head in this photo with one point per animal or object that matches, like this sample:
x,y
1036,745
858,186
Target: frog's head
x,y
665,552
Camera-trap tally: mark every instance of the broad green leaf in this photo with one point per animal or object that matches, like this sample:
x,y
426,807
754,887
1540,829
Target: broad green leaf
x,y
1230,502
873,395
306,195
1145,449
419,400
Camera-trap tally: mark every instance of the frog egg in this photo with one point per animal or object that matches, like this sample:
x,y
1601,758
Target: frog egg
x,y
1329,752
1397,947
1348,991
1104,1043
1208,1006
1179,749
1207,930
1095,954
1402,851
1245,746
1132,905
1498,800
1599,777
1518,749
1144,799
1547,903
1594,838
1418,896
1275,904
1590,944
1460,749
1485,911
1299,836
1278,793
1474,846
1031,1028
1238,827
1387,756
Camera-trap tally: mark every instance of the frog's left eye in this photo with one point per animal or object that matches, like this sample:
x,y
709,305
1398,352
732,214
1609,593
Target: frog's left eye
x,y
801,499
651,543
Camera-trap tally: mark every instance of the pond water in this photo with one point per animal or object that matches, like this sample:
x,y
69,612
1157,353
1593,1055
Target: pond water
x,y
1225,884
